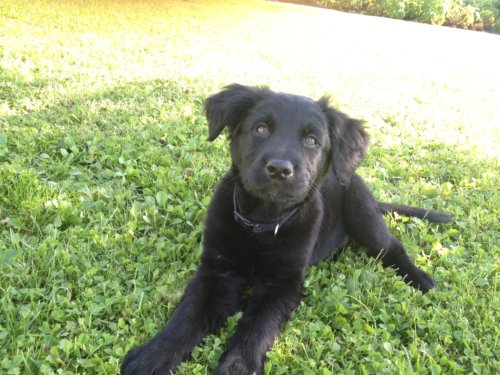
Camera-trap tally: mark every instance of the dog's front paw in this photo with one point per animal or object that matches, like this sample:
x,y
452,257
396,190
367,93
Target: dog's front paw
x,y
420,280
237,364
149,360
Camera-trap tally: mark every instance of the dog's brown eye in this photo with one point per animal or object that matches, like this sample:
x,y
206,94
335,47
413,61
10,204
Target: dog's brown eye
x,y
262,130
310,141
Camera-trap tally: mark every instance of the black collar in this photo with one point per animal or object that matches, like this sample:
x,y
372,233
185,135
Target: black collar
x,y
259,227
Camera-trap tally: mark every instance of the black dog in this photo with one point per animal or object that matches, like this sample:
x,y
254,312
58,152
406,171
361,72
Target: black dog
x,y
290,199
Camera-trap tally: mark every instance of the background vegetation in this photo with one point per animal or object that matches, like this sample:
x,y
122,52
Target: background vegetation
x,y
465,14
105,176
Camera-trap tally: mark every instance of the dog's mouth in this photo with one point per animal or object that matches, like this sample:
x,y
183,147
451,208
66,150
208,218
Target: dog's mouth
x,y
281,197
284,195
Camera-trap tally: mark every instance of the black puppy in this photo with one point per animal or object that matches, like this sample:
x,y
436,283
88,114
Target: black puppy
x,y
290,199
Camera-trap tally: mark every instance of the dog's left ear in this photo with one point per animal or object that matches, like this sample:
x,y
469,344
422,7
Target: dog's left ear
x,y
349,141
230,106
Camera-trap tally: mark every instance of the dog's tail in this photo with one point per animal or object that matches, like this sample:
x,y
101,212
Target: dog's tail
x,y
421,213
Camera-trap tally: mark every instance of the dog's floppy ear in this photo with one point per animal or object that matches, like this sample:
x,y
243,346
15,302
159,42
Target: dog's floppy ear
x,y
230,106
349,141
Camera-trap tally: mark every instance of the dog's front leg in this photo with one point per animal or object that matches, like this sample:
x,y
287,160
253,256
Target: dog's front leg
x,y
269,306
209,299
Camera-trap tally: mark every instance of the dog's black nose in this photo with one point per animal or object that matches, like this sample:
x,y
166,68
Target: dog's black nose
x,y
278,168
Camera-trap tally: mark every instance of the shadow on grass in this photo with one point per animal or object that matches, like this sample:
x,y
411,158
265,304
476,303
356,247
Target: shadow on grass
x,y
104,195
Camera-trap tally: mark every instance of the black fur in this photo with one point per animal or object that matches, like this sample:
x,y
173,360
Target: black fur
x,y
295,158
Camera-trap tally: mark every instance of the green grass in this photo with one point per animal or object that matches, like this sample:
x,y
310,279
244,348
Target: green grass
x,y
105,176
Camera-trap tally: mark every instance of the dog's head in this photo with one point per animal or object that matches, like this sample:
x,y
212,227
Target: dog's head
x,y
282,144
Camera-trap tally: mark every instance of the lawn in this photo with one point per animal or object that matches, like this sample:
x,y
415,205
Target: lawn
x,y
106,174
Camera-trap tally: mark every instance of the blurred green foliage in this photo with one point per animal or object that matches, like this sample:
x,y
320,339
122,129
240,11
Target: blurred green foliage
x,y
465,14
